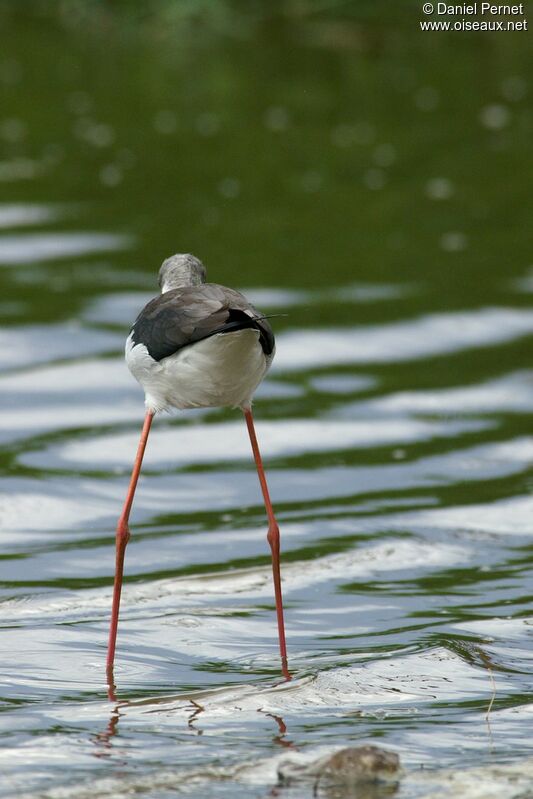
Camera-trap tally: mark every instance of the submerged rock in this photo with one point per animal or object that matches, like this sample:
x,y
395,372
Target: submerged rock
x,y
350,768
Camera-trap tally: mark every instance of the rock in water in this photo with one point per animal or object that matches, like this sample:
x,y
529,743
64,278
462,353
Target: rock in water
x,y
355,765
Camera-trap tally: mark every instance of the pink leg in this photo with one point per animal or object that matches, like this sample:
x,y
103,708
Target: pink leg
x,y
122,538
273,540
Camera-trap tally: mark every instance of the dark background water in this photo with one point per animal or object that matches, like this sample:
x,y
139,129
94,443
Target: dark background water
x,y
370,183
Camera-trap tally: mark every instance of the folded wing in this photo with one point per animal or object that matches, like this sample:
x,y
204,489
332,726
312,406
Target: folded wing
x,y
181,317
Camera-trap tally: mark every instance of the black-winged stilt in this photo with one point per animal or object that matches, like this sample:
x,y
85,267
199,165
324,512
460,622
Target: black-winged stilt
x,y
197,345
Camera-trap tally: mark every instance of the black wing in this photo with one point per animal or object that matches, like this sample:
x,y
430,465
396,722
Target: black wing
x,y
184,316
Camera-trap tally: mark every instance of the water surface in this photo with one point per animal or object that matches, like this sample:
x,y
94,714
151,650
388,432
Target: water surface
x,y
350,176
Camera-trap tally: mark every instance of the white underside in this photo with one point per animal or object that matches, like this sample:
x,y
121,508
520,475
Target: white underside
x,y
222,370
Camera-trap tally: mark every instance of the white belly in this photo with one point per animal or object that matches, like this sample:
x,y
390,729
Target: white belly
x,y
223,370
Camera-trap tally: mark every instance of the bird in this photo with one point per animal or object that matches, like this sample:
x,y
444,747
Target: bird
x,y
197,345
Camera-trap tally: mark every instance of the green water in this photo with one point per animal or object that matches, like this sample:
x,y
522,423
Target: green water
x,y
370,184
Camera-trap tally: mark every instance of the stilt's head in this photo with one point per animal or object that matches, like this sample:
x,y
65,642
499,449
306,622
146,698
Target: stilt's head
x,y
181,270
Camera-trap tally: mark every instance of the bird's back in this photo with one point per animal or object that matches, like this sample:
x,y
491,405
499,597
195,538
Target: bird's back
x,y
199,346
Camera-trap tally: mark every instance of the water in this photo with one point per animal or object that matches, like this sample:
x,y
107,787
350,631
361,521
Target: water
x,y
355,178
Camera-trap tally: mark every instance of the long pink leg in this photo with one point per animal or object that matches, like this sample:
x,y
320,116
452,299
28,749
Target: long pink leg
x,y
122,538
273,540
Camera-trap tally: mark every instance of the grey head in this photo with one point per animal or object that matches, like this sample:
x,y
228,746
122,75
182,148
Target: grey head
x,y
182,269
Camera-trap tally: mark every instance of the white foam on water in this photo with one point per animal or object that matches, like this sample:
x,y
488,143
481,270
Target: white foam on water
x,y
511,392
504,628
123,307
92,375
20,214
351,293
227,441
265,297
250,585
30,513
35,344
366,561
434,675
95,377
35,247
505,642
26,422
186,493
489,781
506,517
410,339
342,383
119,309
